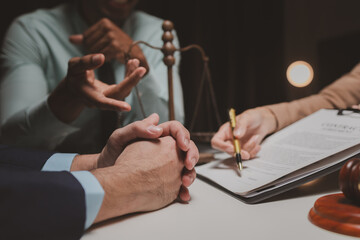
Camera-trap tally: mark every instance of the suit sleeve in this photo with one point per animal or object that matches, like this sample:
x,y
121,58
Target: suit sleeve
x,y
40,205
21,158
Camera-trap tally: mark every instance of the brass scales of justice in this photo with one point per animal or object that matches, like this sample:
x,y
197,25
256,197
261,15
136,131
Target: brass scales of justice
x,y
168,49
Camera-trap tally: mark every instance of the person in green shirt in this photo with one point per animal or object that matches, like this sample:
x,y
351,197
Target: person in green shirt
x,y
34,62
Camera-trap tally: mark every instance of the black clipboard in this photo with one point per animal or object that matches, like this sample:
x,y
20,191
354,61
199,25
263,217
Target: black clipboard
x,y
279,190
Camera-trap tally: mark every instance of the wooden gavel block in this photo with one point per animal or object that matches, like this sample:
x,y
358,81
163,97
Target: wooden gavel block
x,y
341,212
349,180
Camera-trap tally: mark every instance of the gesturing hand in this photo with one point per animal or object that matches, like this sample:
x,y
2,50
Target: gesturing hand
x,y
251,128
95,93
107,38
80,88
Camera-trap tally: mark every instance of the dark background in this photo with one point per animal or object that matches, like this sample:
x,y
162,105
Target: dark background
x,y
250,44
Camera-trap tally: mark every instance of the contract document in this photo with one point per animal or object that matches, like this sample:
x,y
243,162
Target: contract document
x,y
309,148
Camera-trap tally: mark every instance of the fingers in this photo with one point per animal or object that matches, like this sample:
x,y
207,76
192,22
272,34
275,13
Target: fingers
x,y
105,103
152,130
123,89
107,38
222,140
97,31
99,46
78,65
93,34
255,151
179,132
95,98
189,173
253,141
184,194
248,151
122,137
253,145
242,123
230,147
140,129
192,156
188,177
245,155
131,65
355,106
76,39
113,50
146,128
182,137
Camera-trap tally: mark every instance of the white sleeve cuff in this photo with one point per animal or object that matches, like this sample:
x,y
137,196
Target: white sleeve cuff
x,y
59,162
94,195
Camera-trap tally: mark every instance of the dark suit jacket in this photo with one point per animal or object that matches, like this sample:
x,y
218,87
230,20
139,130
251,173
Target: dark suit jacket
x,y
35,204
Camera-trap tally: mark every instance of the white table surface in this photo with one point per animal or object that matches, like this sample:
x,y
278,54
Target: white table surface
x,y
213,214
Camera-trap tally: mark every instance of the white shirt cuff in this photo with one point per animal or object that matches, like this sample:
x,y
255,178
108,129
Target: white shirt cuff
x,y
59,162
94,195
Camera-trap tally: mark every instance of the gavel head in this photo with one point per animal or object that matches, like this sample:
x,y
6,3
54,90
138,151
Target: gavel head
x,y
349,180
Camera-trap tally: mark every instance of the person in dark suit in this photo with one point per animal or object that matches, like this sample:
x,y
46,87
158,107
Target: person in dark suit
x,y
45,195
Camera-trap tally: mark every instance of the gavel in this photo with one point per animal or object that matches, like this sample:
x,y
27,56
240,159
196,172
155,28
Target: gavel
x,y
340,212
349,180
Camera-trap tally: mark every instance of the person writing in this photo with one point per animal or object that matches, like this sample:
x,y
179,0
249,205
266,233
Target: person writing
x,y
253,125
39,54
58,196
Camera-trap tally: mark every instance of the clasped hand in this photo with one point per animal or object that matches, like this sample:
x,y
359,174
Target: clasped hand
x,y
144,166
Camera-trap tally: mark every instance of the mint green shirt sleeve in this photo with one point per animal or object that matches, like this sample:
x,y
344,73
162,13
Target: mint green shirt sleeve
x,y
25,118
94,193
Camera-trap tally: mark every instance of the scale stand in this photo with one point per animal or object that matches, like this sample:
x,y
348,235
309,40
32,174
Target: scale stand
x,y
168,49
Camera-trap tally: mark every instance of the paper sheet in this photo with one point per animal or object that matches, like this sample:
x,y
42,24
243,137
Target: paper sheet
x,y
301,144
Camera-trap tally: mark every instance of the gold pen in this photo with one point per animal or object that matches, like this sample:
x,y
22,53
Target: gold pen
x,y
237,147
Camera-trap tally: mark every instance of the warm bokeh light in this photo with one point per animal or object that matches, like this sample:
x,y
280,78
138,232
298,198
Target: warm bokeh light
x,y
300,74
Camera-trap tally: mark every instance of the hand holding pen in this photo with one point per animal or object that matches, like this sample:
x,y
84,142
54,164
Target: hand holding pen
x,y
251,128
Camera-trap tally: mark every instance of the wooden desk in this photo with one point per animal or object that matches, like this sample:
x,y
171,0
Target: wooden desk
x,y
212,214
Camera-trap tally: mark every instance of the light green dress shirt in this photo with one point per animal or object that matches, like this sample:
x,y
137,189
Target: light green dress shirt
x,y
34,60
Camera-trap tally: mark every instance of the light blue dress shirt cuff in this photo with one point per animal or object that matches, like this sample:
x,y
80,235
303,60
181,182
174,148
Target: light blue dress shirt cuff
x,y
94,195
59,162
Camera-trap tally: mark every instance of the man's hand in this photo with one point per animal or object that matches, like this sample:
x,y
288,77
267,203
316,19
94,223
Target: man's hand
x,y
118,141
182,136
80,88
107,38
121,137
147,176
143,167
148,129
251,128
